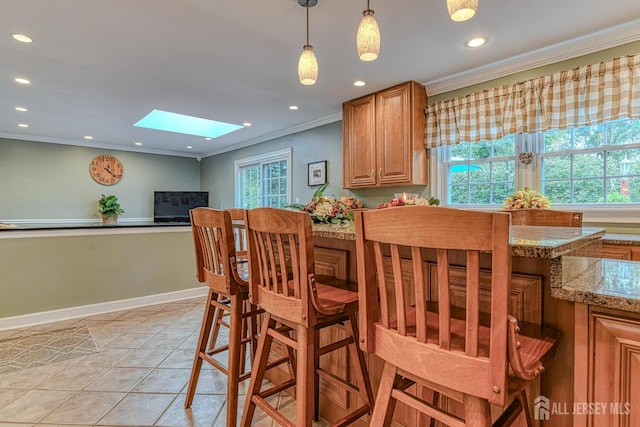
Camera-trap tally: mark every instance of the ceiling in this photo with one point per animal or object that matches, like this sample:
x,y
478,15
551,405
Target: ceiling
x,y
96,67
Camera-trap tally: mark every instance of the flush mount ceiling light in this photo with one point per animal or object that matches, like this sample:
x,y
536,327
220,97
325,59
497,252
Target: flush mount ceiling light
x,y
462,10
368,36
22,81
307,64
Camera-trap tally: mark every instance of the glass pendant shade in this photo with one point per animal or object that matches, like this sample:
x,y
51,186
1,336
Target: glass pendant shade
x,y
308,66
462,10
368,37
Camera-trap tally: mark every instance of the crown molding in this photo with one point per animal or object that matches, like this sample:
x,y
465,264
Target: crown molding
x,y
569,49
335,117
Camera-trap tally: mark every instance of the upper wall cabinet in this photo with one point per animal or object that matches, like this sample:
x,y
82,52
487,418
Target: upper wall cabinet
x,y
383,138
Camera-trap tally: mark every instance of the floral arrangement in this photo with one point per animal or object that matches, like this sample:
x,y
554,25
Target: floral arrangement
x,y
328,210
399,201
526,199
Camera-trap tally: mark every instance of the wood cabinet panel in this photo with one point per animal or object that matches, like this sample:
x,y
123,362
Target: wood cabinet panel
x,y
611,364
614,361
383,138
359,155
616,251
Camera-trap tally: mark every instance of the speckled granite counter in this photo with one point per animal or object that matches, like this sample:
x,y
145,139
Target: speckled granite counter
x,y
526,241
601,282
621,239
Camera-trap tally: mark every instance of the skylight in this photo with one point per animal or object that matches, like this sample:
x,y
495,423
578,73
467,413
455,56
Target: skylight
x,y
180,123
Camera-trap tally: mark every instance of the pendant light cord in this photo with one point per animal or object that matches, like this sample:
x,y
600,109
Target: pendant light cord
x,y
307,7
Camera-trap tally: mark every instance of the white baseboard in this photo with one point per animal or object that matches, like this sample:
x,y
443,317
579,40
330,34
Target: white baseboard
x,y
27,320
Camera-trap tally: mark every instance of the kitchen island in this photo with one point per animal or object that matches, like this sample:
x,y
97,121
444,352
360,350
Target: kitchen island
x,y
540,272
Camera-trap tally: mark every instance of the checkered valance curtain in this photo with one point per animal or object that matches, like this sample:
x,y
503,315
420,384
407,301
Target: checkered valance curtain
x,y
583,96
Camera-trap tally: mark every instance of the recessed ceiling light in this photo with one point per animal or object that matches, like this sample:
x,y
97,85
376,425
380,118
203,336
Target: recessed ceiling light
x,y
22,81
293,107
359,83
189,147
22,37
22,109
137,143
89,137
476,42
23,125
208,139
246,124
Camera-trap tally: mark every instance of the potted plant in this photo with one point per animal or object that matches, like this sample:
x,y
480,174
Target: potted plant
x,y
109,208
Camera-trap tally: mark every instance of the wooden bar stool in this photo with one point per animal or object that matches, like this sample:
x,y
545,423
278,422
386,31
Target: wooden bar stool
x,y
217,266
295,300
546,218
410,323
221,315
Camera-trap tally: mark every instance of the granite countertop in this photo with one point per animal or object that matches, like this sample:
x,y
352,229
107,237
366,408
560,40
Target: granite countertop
x,y
602,282
526,241
621,239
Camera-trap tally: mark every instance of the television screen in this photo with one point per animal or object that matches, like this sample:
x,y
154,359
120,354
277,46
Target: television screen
x,y
174,206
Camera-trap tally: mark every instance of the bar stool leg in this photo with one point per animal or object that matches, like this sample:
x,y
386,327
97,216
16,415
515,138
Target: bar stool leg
x,y
235,337
304,378
258,369
476,411
205,329
385,404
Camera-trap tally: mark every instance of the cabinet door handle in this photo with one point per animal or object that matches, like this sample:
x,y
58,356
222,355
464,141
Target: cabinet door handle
x,y
372,173
379,174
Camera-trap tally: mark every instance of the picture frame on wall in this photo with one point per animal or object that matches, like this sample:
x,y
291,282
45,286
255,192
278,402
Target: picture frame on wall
x,y
317,173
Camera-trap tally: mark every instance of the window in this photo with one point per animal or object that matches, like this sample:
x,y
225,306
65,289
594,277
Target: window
x,y
481,173
592,165
264,180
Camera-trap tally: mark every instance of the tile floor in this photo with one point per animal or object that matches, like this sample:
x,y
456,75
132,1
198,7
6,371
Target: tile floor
x,y
138,378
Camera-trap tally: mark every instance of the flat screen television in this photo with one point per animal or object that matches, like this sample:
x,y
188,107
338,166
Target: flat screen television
x,y
174,206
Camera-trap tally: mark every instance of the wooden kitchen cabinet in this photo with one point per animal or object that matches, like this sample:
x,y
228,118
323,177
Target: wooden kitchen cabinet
x,y
628,252
383,138
607,361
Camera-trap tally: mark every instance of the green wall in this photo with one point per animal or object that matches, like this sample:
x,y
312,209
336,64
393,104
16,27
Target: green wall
x,y
39,274
51,181
321,143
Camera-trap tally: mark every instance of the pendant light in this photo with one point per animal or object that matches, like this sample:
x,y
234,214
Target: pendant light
x,y
307,64
462,10
368,36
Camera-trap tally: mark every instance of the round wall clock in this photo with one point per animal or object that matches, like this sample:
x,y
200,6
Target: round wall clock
x,y
106,170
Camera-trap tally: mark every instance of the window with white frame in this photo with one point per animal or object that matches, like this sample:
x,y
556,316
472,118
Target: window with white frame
x,y
592,165
264,180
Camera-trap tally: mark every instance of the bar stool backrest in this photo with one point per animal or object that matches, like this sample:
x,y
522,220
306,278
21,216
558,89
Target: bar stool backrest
x,y
546,218
280,244
409,322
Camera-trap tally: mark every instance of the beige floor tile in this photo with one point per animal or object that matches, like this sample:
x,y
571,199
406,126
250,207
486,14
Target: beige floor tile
x,y
72,379
9,395
119,379
33,405
28,378
105,357
180,358
130,340
164,381
164,341
138,409
211,381
147,358
204,410
84,408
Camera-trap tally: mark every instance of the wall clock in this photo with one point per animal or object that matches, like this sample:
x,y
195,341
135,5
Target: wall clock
x,y
106,170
